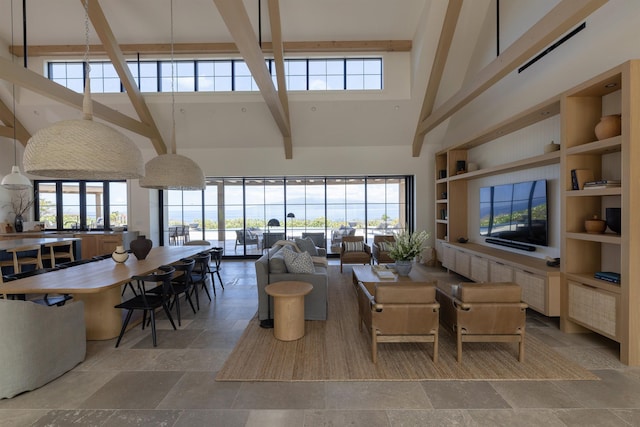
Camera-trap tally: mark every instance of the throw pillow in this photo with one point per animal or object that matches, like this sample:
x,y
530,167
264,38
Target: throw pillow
x,y
307,245
298,262
385,246
354,246
276,263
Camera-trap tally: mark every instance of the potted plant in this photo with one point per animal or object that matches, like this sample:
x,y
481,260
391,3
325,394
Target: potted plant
x,y
406,247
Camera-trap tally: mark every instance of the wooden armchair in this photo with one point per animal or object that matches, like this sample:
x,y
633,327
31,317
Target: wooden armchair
x,y
399,312
484,312
354,250
380,254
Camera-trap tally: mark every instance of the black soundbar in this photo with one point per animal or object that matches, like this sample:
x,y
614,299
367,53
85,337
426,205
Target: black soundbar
x,y
514,245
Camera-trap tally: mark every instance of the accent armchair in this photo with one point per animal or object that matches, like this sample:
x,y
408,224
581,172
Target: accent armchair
x,y
399,312
354,250
484,312
380,251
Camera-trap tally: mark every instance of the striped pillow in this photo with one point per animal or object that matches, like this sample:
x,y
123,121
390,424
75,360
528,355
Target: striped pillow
x,y
354,246
385,246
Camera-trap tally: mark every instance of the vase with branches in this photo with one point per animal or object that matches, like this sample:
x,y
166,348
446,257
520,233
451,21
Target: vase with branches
x,y
21,202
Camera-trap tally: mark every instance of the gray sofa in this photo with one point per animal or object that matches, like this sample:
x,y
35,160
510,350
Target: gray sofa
x,y
38,343
315,303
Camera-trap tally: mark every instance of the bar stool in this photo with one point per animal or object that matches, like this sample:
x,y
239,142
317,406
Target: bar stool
x,y
23,255
58,250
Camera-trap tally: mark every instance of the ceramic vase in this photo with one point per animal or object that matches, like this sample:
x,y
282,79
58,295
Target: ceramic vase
x,y
18,224
120,255
608,127
403,267
141,247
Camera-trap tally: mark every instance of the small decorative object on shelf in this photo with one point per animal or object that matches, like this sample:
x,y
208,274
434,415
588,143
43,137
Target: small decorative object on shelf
x,y
595,225
612,216
406,247
120,255
18,223
461,166
608,127
551,147
141,247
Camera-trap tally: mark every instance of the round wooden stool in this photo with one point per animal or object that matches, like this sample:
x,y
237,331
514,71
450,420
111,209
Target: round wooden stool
x,y
288,301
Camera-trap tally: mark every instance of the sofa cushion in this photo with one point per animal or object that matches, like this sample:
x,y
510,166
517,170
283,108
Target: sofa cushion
x,y
354,246
489,292
276,262
298,262
307,245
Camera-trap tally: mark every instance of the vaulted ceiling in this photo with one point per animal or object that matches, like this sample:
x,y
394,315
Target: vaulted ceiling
x,y
436,33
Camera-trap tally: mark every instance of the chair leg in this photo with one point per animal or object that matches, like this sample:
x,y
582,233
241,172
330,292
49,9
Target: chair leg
x,y
521,349
204,286
124,326
374,346
153,327
168,313
188,298
144,318
176,300
194,290
435,347
220,278
459,344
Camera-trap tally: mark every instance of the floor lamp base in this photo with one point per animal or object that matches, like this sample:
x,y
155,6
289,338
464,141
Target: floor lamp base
x,y
266,323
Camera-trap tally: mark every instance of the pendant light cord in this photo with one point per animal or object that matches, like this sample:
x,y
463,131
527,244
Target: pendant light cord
x,y
87,105
13,95
173,97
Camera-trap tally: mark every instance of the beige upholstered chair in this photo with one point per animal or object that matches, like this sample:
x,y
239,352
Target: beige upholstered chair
x,y
358,255
399,312
380,254
483,312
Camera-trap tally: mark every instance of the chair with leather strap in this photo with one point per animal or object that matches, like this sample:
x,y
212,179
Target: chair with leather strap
x,y
149,302
399,312
353,250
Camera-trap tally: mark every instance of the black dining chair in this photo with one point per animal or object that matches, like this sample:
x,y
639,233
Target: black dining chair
x,y
149,302
199,274
215,266
180,284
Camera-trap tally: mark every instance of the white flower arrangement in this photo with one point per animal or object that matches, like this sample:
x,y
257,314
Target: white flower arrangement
x,y
408,245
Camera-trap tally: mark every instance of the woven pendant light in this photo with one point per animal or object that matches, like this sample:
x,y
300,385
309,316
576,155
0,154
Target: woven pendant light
x,y
83,149
172,171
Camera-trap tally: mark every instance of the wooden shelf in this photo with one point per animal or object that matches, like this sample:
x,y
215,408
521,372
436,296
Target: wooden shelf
x,y
615,239
613,191
610,145
531,162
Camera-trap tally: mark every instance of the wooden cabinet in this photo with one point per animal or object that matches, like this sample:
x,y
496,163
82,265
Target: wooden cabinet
x,y
500,272
94,244
594,308
540,283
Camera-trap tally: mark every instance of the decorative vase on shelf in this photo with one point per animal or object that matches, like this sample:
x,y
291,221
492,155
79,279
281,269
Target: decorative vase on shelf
x,y
608,127
141,247
403,267
18,224
120,255
595,225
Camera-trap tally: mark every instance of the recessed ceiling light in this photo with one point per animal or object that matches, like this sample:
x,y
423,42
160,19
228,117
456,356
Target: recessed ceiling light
x,y
608,85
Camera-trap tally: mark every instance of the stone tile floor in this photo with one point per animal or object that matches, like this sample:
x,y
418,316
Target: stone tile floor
x,y
173,384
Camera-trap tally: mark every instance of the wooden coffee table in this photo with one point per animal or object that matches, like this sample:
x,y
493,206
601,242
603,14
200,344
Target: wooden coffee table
x,y
288,301
366,275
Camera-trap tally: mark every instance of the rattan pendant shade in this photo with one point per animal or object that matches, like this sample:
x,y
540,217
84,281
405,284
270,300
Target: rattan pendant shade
x,y
82,149
172,172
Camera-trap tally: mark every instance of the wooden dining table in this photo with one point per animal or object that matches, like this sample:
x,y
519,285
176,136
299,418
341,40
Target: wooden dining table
x,y
99,285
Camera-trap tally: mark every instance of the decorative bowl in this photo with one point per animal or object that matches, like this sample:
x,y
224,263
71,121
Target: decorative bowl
x,y
595,225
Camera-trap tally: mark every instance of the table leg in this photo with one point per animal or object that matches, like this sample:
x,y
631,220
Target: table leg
x,y
102,320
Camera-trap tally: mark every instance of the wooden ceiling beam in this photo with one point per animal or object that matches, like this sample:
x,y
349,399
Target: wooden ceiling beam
x,y
110,44
278,58
554,24
437,70
235,17
8,118
35,82
219,48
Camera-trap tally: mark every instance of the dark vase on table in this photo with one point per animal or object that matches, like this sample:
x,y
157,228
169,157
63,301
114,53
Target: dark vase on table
x,y
141,247
18,224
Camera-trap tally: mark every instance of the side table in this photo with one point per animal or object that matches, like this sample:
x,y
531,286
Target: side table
x,y
288,301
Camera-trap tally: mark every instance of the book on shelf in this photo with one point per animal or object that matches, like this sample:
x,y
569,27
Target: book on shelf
x,y
603,183
579,177
609,276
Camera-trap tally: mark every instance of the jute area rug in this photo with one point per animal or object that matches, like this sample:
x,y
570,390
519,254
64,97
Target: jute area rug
x,y
336,350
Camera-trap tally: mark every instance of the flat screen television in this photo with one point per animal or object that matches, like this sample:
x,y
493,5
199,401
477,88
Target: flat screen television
x,y
515,212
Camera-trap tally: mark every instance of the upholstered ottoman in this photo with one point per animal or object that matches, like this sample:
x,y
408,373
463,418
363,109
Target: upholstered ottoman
x,y
483,312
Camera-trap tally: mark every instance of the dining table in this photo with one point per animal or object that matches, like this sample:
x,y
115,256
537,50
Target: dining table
x,y
99,285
